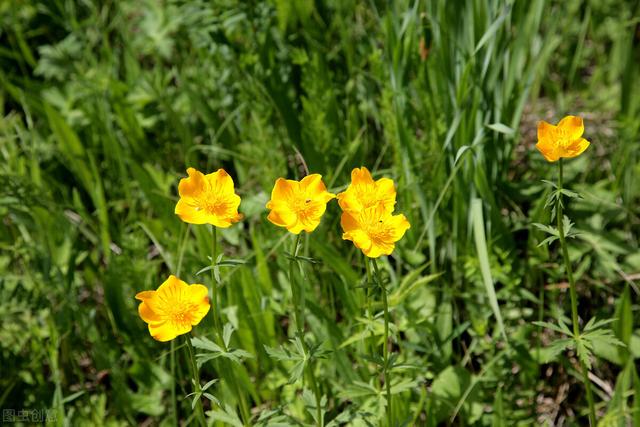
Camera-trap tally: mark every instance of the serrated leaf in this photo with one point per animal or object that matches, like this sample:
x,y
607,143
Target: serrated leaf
x,y
210,383
548,241
551,183
546,228
570,194
557,347
226,415
561,327
403,385
206,344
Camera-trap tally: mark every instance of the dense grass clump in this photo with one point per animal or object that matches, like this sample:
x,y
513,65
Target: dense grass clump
x,y
105,104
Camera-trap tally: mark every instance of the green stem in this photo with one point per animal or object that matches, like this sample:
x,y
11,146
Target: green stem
x,y
369,289
196,380
172,364
172,358
297,293
225,364
385,344
214,284
573,295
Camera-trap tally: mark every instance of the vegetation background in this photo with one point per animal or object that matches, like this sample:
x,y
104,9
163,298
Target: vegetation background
x,y
104,104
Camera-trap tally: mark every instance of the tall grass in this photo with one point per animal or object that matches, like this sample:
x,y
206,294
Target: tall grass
x,y
105,104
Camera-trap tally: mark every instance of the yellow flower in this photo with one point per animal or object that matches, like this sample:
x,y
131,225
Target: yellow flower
x,y
374,230
173,309
563,140
298,205
364,192
208,199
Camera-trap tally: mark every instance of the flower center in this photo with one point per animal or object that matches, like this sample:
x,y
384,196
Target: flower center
x,y
300,205
562,138
178,314
366,195
213,205
378,231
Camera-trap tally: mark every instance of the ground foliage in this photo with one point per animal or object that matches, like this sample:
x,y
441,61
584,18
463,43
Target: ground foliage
x,y
106,103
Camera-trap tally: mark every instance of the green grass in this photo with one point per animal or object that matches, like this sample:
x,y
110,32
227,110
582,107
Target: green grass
x,y
106,103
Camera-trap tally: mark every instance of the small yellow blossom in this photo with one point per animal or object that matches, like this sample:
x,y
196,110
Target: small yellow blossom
x,y
564,140
364,192
208,199
298,205
374,230
173,308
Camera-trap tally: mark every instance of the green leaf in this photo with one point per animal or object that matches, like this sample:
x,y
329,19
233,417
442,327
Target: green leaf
x,y
226,415
561,327
623,325
501,128
483,258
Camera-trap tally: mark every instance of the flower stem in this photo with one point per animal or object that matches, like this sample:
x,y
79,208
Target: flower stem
x,y
297,293
225,364
573,295
385,344
196,381
172,357
369,343
214,283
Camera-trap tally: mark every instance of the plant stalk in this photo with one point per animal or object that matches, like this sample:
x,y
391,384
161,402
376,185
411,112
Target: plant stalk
x,y
385,344
214,284
573,296
172,357
196,380
370,344
226,365
297,293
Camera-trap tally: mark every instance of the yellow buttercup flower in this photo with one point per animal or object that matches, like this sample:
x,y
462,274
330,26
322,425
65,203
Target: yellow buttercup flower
x,y
564,140
364,192
173,308
374,230
298,205
208,199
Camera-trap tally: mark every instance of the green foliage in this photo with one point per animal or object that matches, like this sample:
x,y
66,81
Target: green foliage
x,y
104,104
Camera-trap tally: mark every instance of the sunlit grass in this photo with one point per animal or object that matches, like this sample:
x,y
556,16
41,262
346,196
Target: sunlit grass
x,y
106,104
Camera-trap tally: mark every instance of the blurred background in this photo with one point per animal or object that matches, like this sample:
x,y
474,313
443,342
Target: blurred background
x,y
104,104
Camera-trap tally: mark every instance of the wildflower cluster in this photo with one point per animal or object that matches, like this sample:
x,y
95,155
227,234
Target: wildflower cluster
x,y
367,218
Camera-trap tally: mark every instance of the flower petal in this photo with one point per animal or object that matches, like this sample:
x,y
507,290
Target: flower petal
x,y
549,151
312,184
167,331
192,214
399,224
220,182
194,185
573,127
145,295
380,248
359,239
546,133
361,176
147,314
348,222
172,289
198,296
386,193
284,189
577,147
